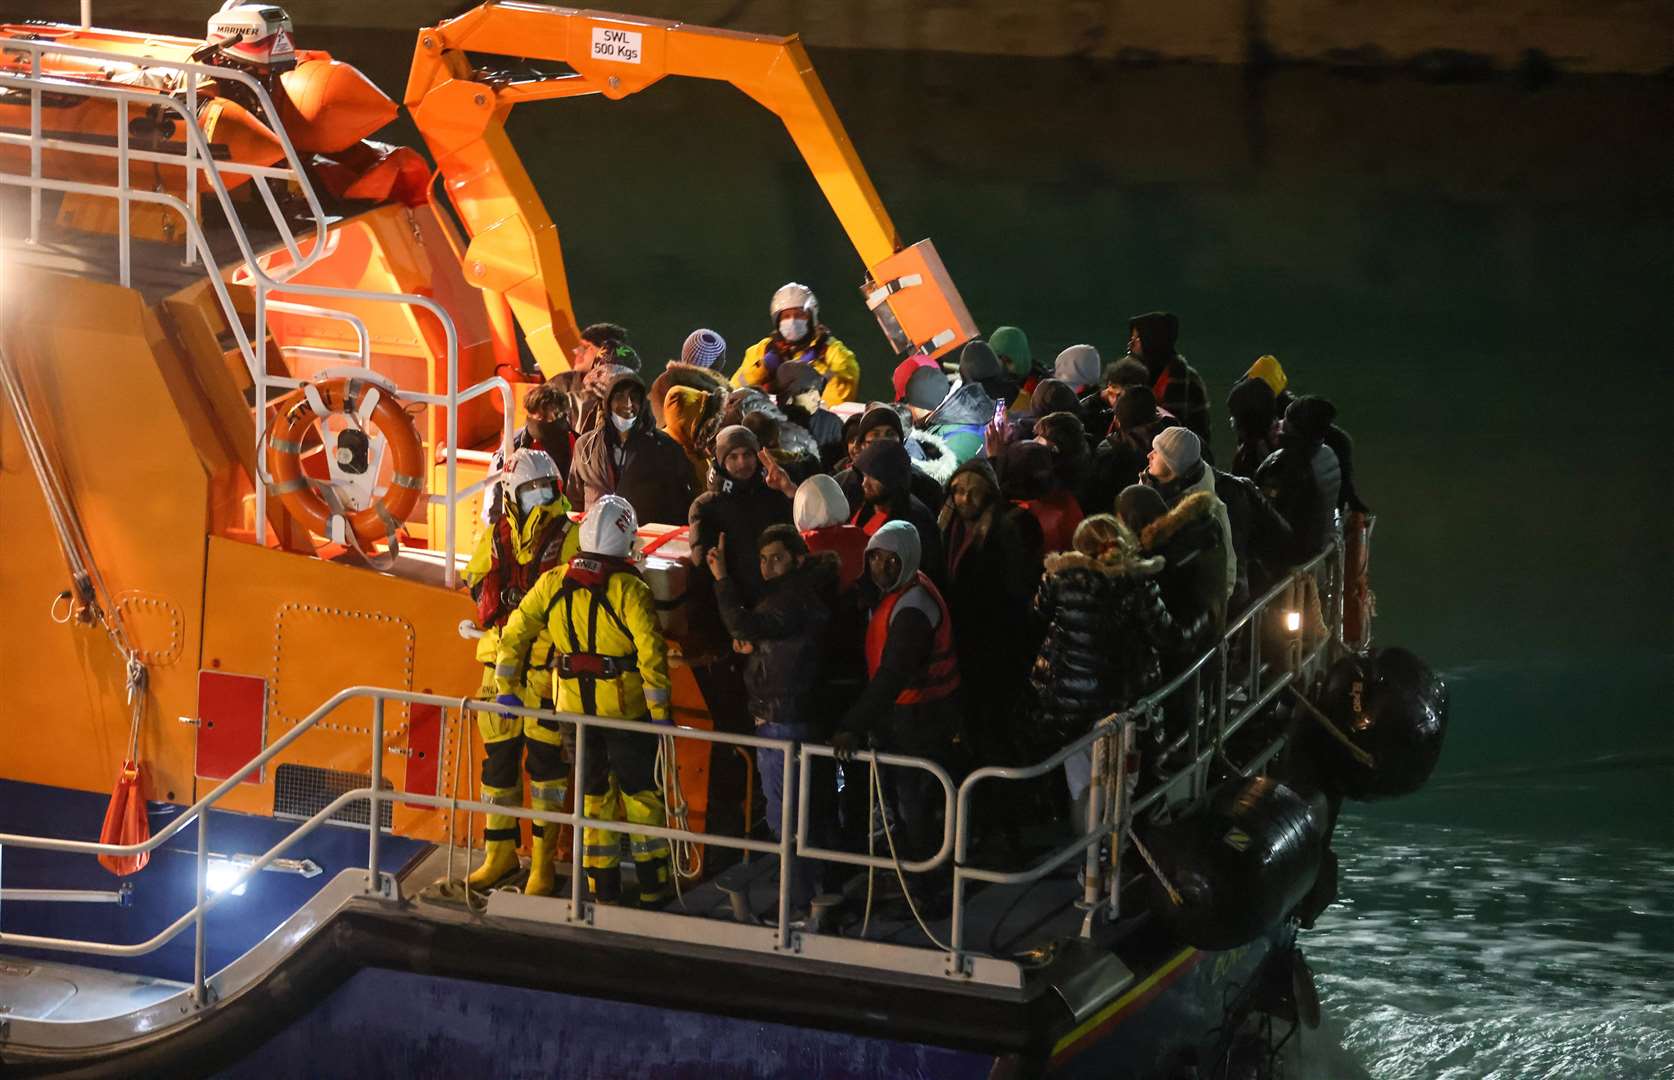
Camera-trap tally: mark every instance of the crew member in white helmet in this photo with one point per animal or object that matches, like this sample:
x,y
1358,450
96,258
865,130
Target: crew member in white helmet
x,y
529,537
798,334
610,660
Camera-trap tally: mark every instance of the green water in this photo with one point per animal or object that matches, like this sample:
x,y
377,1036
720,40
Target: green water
x,y
1477,274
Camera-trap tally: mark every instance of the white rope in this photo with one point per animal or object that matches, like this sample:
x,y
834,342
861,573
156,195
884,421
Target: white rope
x,y
1173,893
685,856
453,790
871,842
877,792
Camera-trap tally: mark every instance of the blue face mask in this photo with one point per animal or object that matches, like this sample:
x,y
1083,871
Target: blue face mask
x,y
530,498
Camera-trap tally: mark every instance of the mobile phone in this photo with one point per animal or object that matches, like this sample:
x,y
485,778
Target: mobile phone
x,y
999,413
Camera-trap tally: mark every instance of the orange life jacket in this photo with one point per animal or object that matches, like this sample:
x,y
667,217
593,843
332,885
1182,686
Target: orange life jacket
x,y
940,676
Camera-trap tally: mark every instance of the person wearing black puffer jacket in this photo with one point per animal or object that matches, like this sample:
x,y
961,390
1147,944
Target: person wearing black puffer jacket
x,y
1106,626
1302,477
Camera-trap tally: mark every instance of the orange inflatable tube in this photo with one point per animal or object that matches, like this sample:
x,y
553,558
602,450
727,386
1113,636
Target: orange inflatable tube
x,y
233,135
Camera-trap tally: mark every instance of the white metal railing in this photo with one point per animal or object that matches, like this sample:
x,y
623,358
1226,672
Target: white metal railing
x,y
182,104
1111,811
1112,807
374,795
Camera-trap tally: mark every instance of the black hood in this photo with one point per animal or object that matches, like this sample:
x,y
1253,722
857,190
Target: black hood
x,y
1159,333
1054,395
1308,419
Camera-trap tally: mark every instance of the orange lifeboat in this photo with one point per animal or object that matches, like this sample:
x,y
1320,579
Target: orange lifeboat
x,y
325,105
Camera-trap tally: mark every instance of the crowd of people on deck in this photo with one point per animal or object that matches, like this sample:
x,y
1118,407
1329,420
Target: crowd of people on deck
x,y
974,572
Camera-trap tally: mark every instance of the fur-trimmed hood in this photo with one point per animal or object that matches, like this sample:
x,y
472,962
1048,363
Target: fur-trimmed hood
x,y
931,455
1124,565
1198,506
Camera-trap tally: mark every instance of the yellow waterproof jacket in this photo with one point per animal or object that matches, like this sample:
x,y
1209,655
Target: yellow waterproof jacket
x,y
632,633
523,549
835,361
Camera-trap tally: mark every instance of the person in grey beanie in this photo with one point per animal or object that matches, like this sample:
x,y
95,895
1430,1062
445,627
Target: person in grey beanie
x,y
1080,367
1176,469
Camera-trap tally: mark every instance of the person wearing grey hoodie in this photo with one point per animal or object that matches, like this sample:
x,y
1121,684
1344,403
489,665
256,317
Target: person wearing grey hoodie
x,y
911,701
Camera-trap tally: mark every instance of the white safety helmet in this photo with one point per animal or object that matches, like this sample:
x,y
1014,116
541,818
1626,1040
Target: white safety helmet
x,y
793,295
252,33
609,527
529,479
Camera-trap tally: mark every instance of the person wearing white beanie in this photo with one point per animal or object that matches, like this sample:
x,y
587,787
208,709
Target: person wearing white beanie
x,y
821,513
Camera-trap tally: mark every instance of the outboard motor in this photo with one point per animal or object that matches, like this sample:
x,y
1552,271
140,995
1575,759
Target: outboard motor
x,y
1240,861
1392,706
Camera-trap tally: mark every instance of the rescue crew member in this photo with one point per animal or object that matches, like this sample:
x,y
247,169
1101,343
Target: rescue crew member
x,y
610,661
798,334
531,535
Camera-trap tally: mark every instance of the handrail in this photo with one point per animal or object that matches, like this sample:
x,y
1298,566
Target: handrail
x,y
1108,741
198,812
1114,727
199,156
198,144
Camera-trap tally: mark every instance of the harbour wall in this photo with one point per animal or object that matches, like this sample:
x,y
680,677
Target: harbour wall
x,y
1449,37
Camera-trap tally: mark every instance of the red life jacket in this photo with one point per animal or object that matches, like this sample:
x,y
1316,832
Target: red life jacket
x,y
869,519
940,676
848,542
1160,387
1058,514
508,580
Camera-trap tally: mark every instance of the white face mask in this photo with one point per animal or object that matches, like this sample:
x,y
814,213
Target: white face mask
x,y
623,423
793,329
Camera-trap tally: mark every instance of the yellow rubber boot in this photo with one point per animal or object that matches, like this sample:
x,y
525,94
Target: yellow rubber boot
x,y
502,835
543,878
498,864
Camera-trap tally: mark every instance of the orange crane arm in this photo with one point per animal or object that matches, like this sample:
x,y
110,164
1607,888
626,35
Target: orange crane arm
x,y
514,249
